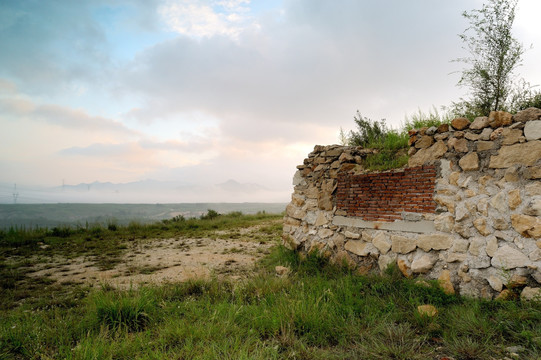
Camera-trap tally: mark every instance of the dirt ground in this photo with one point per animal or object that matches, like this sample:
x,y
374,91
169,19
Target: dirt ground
x,y
159,261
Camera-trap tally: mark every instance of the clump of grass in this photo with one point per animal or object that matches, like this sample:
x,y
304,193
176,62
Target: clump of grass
x,y
422,119
129,311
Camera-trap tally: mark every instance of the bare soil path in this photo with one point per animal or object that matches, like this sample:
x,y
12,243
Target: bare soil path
x,y
226,254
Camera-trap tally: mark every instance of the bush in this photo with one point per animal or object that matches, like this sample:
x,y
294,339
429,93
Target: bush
x,y
210,215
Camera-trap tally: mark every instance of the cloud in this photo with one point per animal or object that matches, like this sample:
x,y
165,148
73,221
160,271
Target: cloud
x,y
61,116
207,18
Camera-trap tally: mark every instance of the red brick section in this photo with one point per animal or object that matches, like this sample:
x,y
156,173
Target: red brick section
x,y
383,196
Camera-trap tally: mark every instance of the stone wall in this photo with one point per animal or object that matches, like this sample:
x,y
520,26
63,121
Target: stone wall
x,y
466,210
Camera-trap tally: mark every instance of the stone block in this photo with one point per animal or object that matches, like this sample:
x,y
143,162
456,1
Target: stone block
x,y
469,162
325,233
432,153
423,264
480,122
481,225
382,243
529,294
532,130
424,142
525,154
429,242
499,118
352,235
402,245
527,115
528,226
360,248
460,123
484,145
445,282
511,136
514,199
507,258
444,222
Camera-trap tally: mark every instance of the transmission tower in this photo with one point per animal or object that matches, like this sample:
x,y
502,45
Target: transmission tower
x,y
15,194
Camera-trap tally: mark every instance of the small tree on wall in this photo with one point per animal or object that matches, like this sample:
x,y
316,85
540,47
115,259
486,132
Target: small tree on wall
x,y
494,54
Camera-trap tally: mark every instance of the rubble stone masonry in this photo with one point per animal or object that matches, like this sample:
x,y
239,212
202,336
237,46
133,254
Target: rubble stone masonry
x,y
466,210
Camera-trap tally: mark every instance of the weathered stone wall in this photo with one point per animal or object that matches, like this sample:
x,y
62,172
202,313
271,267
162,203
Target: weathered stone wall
x,y
466,210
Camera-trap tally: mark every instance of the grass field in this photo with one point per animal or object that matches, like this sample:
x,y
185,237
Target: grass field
x,y
317,311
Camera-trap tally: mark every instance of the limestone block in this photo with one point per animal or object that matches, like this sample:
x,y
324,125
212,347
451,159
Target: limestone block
x,y
446,201
533,189
445,282
463,229
496,134
525,154
461,212
529,293
492,245
460,123
360,248
477,246
295,212
532,172
324,201
482,206
500,223
511,136
535,255
512,174
534,207
480,122
429,242
485,134
385,260
427,310
527,115
514,199
298,200
422,156
325,233
424,142
507,258
529,226
469,162
382,243
460,246
298,179
495,283
478,262
404,268
454,257
499,118
484,145
461,145
423,264
444,222
443,128
498,202
482,226
352,235
532,130
310,217
402,245
338,240
321,219
472,136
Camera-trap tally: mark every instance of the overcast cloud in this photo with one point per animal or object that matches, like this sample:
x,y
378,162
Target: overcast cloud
x,y
206,91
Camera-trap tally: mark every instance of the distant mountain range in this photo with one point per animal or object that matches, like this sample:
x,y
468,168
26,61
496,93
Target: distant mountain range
x,y
145,191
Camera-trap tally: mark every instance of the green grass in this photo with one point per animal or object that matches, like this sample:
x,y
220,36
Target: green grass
x,y
319,311
391,145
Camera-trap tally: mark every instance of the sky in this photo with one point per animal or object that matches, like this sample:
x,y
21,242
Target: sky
x,y
203,91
